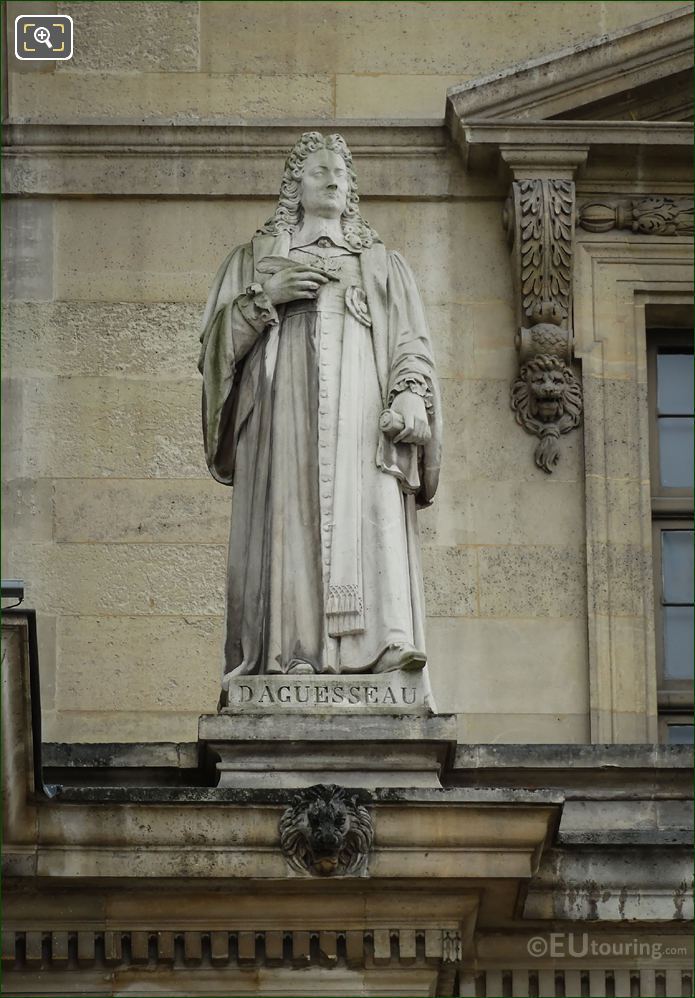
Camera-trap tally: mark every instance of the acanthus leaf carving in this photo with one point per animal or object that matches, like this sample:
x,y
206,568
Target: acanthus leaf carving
x,y
545,227
662,216
655,215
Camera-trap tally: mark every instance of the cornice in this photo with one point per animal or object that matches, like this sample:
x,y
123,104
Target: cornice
x,y
481,141
222,137
542,134
128,159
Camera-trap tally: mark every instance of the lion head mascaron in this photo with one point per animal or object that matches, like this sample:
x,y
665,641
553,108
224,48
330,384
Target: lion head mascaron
x,y
547,400
325,831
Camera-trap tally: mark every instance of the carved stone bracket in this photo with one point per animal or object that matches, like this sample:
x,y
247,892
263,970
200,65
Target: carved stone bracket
x,y
326,832
652,216
546,397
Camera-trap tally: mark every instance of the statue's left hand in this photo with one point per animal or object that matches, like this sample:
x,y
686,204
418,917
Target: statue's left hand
x,y
412,409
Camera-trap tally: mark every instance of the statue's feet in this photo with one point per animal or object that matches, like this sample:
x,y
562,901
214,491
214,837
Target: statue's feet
x,y
402,656
299,668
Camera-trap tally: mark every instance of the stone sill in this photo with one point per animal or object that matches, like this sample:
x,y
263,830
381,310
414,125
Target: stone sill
x,y
504,797
598,771
482,756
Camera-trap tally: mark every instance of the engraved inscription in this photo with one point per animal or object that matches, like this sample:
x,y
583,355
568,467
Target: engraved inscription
x,y
316,695
397,692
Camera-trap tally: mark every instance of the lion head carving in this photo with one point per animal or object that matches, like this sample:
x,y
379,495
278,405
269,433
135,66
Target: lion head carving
x,y
547,400
326,831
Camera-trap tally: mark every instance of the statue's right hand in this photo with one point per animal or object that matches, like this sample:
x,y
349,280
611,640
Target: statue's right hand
x,y
291,283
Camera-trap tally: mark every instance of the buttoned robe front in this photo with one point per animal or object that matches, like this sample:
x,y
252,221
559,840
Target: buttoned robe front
x,y
324,563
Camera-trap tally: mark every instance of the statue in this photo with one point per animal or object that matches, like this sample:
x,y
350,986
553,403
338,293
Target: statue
x,y
321,407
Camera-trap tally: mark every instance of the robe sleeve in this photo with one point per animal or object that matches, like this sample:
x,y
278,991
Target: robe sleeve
x,y
411,363
233,328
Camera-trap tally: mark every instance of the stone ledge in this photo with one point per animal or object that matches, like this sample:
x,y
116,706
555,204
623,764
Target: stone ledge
x,y
224,159
329,728
281,796
562,756
598,772
219,136
468,758
105,755
628,822
165,771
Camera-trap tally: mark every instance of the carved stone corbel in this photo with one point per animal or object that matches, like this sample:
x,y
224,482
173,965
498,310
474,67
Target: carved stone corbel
x,y
651,216
546,396
326,832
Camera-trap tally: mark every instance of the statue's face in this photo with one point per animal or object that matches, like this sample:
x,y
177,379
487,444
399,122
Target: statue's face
x,y
324,185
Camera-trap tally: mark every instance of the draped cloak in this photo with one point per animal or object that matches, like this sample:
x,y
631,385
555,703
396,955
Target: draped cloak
x,y
260,432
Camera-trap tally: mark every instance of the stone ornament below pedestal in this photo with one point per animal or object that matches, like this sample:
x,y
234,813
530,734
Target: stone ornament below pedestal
x,y
326,832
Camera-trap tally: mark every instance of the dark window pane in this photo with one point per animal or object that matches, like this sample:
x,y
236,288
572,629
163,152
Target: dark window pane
x,y
678,642
676,452
677,565
675,383
680,734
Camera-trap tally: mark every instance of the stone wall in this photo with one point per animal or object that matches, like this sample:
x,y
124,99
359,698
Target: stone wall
x,y
112,518
187,61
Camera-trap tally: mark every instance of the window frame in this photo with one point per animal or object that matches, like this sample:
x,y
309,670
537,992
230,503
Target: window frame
x,y
671,693
672,509
671,719
676,502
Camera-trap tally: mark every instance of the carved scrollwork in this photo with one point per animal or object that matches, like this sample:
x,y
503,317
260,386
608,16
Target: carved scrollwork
x,y
653,216
326,832
546,397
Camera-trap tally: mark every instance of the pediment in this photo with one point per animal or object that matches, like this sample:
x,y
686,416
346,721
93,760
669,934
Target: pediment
x,y
643,73
667,99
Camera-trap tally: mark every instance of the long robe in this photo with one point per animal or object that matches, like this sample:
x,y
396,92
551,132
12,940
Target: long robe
x,y
269,432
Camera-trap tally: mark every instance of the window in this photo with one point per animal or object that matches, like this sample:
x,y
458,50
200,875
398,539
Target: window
x,y
670,360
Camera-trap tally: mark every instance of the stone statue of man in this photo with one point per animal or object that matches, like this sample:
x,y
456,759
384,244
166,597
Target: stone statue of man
x,y
321,407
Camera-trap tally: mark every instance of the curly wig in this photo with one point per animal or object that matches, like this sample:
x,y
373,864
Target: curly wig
x,y
288,214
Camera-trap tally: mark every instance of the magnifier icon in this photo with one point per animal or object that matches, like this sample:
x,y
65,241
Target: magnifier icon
x,y
43,35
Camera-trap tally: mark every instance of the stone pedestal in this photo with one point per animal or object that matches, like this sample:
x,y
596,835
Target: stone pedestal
x,y
300,748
